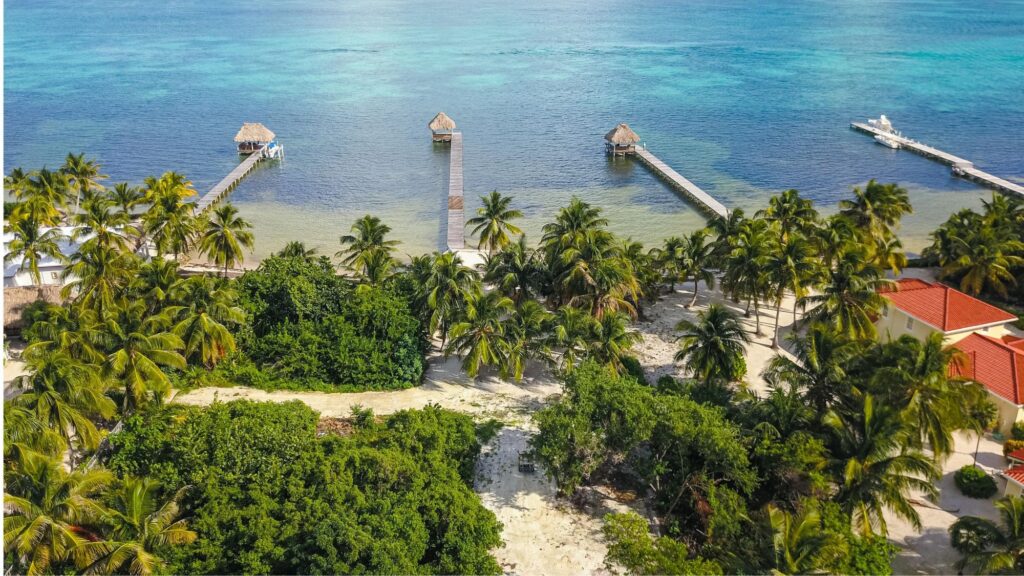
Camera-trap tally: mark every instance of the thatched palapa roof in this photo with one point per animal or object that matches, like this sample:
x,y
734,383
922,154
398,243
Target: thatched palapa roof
x,y
441,123
622,135
254,132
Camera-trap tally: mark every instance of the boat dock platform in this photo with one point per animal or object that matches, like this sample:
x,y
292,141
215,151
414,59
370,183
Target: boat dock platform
x,y
961,166
693,191
456,217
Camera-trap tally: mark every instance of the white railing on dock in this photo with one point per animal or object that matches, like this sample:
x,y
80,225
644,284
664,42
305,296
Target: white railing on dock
x,y
229,181
962,167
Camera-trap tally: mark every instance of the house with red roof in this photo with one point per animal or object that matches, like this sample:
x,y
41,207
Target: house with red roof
x,y
993,356
920,308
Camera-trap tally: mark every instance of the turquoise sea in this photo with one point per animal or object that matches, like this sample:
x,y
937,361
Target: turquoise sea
x,y
744,98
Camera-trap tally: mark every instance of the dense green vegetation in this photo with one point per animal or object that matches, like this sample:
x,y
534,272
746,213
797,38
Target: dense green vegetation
x,y
266,495
794,482
974,482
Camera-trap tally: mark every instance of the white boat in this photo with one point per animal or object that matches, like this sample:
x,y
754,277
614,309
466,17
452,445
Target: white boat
x,y
886,141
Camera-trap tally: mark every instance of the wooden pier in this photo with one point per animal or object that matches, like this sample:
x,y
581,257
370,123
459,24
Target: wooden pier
x,y
230,181
693,191
456,217
961,167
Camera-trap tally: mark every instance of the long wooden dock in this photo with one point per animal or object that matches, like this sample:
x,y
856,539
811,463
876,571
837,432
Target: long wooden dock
x,y
962,167
702,198
229,181
456,218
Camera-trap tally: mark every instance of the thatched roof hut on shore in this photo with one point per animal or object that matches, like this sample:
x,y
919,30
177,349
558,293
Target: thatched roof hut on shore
x,y
622,139
253,136
441,127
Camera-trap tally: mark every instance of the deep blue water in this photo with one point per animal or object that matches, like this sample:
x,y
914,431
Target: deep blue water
x,y
744,98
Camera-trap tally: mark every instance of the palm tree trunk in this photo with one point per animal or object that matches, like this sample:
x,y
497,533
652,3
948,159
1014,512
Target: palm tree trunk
x,y
778,314
757,316
746,313
977,445
694,299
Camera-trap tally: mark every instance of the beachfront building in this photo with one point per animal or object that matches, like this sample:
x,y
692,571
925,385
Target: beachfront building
x,y
50,269
253,136
919,308
441,128
621,140
993,355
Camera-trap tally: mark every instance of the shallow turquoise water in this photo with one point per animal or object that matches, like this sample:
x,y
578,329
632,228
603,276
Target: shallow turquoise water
x,y
744,98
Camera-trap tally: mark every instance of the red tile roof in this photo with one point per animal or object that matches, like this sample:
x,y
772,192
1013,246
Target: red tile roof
x,y
1015,473
943,307
994,364
1016,455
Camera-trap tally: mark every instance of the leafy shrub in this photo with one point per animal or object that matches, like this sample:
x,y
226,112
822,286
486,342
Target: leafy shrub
x,y
267,496
1017,432
975,483
634,369
311,330
631,546
1012,445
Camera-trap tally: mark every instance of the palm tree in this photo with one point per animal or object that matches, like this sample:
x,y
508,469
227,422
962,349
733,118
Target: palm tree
x,y
513,271
126,197
154,282
47,514
744,271
225,236
101,226
206,305
724,229
697,261
790,268
918,383
574,242
985,261
876,210
875,467
888,254
526,332
672,256
140,528
480,335
32,244
988,547
69,330
377,267
818,367
139,345
169,220
369,236
573,332
448,286
835,237
849,301
493,223
612,340
44,195
799,544
296,249
713,347
65,394
96,275
84,175
24,431
791,214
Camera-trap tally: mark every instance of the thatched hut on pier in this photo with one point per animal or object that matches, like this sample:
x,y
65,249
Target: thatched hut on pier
x,y
252,137
441,127
622,140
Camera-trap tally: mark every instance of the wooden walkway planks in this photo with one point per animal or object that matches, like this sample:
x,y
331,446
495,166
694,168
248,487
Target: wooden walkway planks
x,y
229,181
456,217
677,179
965,166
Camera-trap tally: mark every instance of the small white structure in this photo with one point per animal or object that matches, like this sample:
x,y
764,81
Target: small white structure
x,y
50,269
882,123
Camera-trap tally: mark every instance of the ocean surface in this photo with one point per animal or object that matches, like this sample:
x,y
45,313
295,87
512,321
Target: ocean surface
x,y
744,98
